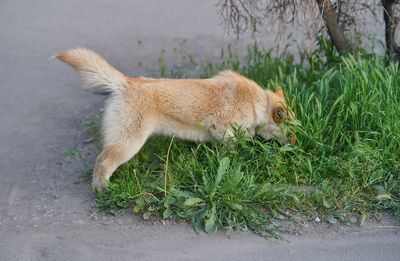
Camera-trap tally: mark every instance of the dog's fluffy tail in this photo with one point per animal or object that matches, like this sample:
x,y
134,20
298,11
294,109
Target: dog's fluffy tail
x,y
93,69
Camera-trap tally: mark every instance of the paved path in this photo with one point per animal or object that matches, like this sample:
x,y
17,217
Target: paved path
x,y
45,208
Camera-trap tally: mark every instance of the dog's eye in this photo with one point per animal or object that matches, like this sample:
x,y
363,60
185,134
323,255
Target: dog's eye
x,y
278,114
281,114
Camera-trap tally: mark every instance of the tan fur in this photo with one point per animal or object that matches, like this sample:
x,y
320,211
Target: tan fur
x,y
192,109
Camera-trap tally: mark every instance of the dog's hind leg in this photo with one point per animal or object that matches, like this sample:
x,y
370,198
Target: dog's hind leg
x,y
115,155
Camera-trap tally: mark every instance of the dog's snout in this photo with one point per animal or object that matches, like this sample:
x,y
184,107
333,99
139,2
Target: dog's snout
x,y
292,139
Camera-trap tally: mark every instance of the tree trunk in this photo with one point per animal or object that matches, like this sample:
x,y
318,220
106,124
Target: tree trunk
x,y
335,32
392,49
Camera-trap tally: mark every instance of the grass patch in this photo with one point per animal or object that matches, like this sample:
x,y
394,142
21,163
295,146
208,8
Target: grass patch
x,y
347,159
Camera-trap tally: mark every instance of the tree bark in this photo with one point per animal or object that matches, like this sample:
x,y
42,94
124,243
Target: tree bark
x,y
334,30
392,49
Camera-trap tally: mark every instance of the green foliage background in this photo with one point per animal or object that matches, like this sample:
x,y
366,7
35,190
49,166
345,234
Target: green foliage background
x,y
347,159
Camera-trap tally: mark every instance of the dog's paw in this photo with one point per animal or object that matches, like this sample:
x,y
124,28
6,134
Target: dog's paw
x,y
98,184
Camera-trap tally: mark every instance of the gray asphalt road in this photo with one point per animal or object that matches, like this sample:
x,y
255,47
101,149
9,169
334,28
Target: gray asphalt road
x,y
45,208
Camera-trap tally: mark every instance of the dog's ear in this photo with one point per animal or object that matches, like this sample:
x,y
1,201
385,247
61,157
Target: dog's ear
x,y
279,92
278,114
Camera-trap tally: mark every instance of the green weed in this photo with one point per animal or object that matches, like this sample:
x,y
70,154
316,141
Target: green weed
x,y
347,159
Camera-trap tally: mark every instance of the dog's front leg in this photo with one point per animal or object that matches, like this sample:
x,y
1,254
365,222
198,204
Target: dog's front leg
x,y
223,134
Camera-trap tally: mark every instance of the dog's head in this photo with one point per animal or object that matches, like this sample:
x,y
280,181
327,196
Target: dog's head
x,y
279,117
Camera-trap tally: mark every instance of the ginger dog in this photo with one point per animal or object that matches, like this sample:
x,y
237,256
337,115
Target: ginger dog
x,y
192,109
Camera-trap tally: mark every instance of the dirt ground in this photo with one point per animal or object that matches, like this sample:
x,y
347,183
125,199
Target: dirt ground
x,y
46,210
